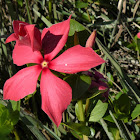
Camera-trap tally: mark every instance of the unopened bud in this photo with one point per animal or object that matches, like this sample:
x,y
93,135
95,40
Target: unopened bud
x,y
138,35
91,40
76,39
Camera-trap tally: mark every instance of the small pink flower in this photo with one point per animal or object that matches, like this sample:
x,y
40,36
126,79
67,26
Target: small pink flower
x,y
138,35
56,94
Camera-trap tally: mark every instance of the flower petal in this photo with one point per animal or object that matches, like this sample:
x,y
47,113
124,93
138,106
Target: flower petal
x,y
22,83
35,37
56,95
76,59
12,37
54,38
20,34
17,26
24,54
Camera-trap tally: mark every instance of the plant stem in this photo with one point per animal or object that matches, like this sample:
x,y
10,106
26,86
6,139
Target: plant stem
x,y
50,10
87,105
16,135
82,115
54,13
81,110
105,127
28,11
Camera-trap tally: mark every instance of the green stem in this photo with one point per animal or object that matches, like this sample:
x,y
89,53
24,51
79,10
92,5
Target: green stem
x,y
50,10
82,115
28,11
105,127
87,106
54,13
34,106
16,135
81,110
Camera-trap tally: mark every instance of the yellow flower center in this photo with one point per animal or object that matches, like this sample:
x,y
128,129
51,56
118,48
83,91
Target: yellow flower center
x,y
44,64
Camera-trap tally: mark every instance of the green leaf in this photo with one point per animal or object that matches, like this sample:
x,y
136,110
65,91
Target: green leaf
x,y
122,106
108,118
115,132
98,112
48,23
76,134
15,105
14,117
79,85
34,125
75,27
136,111
111,79
20,2
79,127
80,4
5,121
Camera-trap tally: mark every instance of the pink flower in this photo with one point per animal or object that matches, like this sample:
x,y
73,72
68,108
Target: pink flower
x,y
56,94
138,35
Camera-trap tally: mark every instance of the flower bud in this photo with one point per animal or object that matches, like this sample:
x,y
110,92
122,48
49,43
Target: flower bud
x,y
138,35
91,40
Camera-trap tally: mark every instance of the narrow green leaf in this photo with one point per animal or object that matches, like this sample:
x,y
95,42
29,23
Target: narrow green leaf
x,y
34,126
105,127
42,18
